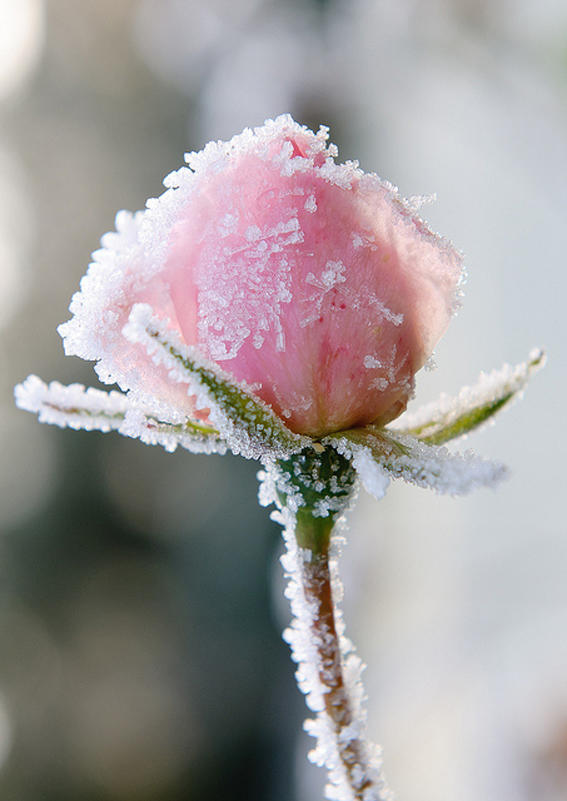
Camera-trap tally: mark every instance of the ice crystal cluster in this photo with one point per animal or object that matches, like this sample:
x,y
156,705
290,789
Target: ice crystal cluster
x,y
278,304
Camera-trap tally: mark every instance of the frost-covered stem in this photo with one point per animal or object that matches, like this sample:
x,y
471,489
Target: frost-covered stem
x,y
314,533
329,670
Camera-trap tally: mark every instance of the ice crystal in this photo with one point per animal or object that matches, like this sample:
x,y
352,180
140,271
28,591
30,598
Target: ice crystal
x,y
321,293
245,423
354,765
453,417
91,409
378,453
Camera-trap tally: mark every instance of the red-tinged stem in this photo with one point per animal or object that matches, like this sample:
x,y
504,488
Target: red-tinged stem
x,y
314,534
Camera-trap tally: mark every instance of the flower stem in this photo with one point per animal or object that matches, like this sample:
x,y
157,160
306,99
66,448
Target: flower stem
x,y
325,658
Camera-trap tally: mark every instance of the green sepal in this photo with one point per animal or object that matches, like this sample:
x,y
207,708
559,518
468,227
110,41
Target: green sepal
x,y
247,424
92,409
378,454
317,479
455,417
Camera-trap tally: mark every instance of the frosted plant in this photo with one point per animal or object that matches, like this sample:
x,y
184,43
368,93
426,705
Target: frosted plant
x,y
277,304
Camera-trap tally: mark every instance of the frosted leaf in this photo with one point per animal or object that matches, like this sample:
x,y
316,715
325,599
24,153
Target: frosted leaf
x,y
402,456
247,424
452,417
72,406
91,409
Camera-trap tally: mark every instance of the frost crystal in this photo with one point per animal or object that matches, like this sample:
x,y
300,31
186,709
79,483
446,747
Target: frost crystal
x,y
378,453
269,284
94,410
328,667
245,423
453,417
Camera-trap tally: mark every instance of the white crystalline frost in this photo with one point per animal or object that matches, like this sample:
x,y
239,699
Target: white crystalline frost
x,y
91,409
250,429
254,282
307,654
415,202
373,476
310,204
331,276
395,455
72,406
308,644
490,388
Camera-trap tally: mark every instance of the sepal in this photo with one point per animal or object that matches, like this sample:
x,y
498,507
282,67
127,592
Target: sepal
x,y
453,417
247,424
92,409
378,455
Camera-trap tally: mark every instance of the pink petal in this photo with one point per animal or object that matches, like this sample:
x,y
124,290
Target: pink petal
x,y
311,281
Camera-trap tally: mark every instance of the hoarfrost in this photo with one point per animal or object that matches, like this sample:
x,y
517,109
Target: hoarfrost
x,y
310,204
402,456
373,476
92,409
332,275
393,366
247,424
327,663
415,202
363,241
453,417
72,406
253,280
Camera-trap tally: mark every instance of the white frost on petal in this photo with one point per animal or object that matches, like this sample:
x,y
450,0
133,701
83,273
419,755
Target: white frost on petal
x,y
415,202
243,290
310,204
92,409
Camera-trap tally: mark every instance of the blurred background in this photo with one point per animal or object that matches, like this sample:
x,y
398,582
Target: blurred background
x,y
140,592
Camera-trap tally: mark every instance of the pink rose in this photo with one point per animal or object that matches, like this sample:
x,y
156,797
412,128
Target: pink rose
x,y
311,281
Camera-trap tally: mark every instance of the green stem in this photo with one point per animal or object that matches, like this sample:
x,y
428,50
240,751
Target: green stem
x,y
313,533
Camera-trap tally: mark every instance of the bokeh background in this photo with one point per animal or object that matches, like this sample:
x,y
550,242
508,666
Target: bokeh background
x,y
140,593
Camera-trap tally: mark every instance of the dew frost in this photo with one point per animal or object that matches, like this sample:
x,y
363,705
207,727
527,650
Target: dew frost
x,y
372,475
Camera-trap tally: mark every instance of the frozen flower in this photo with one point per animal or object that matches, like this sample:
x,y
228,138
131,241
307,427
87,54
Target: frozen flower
x,y
270,300
311,281
279,304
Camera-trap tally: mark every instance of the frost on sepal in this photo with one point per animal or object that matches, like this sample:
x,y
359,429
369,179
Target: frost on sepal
x,y
452,417
91,409
378,454
318,479
247,424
